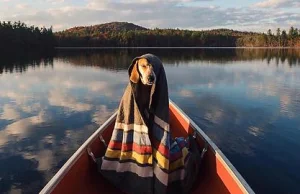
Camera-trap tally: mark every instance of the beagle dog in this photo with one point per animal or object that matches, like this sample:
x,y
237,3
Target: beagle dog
x,y
143,75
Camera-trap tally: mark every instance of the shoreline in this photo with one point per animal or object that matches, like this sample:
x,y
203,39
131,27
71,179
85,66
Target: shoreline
x,y
176,47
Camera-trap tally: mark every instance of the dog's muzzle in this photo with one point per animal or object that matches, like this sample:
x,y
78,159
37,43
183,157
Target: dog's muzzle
x,y
150,78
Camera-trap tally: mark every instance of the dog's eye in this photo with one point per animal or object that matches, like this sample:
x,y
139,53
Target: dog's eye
x,y
144,66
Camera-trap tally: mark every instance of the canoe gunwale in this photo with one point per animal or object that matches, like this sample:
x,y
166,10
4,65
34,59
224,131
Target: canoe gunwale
x,y
54,181
217,152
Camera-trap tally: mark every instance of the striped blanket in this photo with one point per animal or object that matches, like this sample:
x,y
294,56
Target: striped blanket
x,y
137,162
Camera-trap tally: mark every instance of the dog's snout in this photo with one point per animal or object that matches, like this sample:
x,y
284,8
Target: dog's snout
x,y
150,78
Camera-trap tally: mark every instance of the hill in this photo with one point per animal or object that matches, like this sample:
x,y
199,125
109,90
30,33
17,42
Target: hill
x,y
124,34
104,28
126,26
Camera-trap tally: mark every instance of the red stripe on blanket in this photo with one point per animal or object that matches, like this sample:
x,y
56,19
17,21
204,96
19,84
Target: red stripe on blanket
x,y
141,149
161,148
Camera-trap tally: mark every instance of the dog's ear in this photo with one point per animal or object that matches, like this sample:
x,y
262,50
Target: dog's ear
x,y
134,77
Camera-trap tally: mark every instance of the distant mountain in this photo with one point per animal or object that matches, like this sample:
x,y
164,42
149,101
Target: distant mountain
x,y
124,34
126,26
106,27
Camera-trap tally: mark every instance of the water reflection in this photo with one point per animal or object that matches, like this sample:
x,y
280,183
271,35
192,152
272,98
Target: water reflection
x,y
13,62
118,59
246,100
45,115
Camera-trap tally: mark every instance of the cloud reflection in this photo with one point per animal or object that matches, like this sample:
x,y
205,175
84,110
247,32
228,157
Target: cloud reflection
x,y
17,97
45,159
102,114
33,107
236,99
186,93
9,113
214,116
22,128
59,98
239,103
255,131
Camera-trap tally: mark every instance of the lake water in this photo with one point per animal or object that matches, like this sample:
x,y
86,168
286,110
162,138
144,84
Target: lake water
x,y
246,100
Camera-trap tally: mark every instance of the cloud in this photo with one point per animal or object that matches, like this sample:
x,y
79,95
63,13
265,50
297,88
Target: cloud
x,y
94,86
268,89
18,98
152,13
255,131
23,127
214,116
285,101
54,2
278,4
58,98
186,93
101,114
49,139
9,113
35,107
21,6
45,159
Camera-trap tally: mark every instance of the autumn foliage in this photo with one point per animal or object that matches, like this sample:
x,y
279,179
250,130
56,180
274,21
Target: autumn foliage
x,y
123,34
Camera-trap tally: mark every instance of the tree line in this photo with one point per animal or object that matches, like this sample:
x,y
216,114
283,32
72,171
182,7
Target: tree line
x,y
91,37
144,38
18,36
279,39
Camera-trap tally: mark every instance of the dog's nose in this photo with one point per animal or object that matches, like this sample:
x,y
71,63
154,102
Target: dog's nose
x,y
150,78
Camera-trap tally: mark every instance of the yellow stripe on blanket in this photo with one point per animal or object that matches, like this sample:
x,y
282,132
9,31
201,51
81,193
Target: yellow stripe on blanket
x,y
148,159
180,162
142,159
162,161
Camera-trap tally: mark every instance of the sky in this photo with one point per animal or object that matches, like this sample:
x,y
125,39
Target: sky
x,y
244,15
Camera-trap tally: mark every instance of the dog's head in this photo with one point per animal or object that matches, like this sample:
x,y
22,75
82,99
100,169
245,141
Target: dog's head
x,y
143,71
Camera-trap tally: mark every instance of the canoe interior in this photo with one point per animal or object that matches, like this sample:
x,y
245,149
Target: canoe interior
x,y
82,176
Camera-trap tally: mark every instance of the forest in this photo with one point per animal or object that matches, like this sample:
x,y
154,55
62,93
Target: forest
x,y
123,34
18,36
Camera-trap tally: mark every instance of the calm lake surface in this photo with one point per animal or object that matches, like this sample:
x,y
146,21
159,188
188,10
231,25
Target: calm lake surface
x,y
246,100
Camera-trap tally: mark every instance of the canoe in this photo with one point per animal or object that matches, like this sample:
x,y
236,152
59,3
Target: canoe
x,y
79,174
